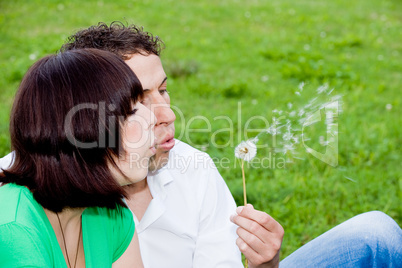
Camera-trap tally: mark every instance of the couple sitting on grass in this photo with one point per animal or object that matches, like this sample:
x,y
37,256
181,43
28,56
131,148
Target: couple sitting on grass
x,y
89,183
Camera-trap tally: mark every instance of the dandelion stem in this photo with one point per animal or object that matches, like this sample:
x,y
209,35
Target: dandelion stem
x,y
244,183
245,197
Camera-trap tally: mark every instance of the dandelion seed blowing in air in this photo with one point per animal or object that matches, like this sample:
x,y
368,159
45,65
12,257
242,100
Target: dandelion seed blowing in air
x,y
287,131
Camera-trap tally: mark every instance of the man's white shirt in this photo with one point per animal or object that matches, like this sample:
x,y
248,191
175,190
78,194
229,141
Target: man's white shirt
x,y
6,161
187,222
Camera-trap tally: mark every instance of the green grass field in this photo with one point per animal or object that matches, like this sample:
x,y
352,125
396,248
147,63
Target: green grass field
x,y
220,53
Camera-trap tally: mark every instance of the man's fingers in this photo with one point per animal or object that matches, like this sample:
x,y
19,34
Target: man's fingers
x,y
270,242
251,226
250,254
259,217
260,236
250,239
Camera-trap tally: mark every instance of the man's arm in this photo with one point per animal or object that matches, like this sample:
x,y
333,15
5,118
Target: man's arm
x,y
6,161
216,240
260,237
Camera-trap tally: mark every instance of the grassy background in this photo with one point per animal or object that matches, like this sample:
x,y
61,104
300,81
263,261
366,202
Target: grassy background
x,y
221,52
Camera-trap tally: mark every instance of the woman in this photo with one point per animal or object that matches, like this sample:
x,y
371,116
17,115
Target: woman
x,y
79,134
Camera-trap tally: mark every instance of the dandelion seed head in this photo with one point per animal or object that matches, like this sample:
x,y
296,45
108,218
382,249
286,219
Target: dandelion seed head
x,y
246,150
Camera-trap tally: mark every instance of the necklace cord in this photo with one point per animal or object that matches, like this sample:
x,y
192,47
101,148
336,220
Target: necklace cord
x,y
64,242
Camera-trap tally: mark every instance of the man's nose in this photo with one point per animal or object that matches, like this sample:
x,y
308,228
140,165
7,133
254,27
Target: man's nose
x,y
163,113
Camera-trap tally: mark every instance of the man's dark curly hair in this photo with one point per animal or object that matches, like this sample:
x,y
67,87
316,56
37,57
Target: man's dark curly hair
x,y
117,38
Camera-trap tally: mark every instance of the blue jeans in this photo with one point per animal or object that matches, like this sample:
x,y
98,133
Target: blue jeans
x,y
372,239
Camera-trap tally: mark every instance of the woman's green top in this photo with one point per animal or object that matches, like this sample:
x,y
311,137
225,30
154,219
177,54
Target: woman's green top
x,y
27,239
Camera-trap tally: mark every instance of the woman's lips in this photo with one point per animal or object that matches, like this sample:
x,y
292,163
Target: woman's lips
x,y
167,145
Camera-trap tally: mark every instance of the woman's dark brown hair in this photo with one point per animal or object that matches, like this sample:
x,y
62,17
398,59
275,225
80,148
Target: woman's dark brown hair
x,y
65,128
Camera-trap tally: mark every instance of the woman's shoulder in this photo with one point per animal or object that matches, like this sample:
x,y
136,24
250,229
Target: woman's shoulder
x,y
20,246
108,214
117,220
14,201
111,227
20,250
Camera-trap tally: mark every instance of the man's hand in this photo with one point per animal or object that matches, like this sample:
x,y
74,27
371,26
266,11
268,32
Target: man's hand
x,y
260,237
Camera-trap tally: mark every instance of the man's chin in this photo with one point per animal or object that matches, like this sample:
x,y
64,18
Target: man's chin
x,y
158,161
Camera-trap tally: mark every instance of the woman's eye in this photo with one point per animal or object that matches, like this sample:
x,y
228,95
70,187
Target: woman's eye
x,y
144,101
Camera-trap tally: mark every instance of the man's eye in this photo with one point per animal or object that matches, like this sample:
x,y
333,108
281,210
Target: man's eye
x,y
163,91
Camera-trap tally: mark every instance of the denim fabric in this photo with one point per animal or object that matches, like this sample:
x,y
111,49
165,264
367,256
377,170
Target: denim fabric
x,y
371,239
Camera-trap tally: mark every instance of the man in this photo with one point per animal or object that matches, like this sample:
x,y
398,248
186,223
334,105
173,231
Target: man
x,y
182,211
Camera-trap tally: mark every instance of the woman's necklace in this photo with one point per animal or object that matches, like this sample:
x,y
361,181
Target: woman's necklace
x,y
64,241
